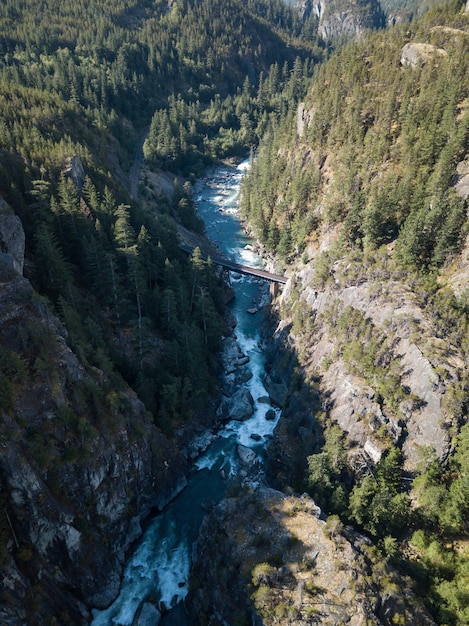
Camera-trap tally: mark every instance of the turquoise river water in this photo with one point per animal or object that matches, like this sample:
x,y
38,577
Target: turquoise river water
x,y
158,569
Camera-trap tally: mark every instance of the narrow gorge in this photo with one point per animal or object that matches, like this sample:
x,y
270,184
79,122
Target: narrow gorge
x,y
181,444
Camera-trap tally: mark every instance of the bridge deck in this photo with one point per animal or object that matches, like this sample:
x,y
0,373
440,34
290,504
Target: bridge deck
x,y
241,269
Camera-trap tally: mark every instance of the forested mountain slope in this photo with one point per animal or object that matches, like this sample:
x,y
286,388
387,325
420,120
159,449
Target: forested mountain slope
x,y
396,10
109,341
108,344
362,192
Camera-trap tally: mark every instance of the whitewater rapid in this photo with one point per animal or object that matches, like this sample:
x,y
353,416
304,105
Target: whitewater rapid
x,y
157,572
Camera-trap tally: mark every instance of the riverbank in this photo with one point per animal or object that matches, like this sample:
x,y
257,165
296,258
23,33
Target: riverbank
x,y
228,451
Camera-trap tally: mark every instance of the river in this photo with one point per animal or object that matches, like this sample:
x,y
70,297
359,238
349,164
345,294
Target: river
x,y
158,570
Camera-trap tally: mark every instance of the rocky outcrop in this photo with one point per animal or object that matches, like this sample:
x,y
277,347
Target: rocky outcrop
x,y
304,117
267,558
347,18
417,54
75,171
462,182
237,402
80,466
11,238
303,7
149,616
239,406
424,366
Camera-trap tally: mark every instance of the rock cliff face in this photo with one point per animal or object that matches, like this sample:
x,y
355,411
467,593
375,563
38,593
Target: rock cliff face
x,y
11,238
347,18
80,465
267,558
419,403
425,366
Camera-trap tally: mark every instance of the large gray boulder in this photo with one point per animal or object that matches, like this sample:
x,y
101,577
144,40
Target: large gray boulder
x,y
417,54
239,407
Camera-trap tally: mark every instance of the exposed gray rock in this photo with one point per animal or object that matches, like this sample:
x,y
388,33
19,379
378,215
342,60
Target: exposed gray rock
x,y
75,170
462,184
303,119
303,7
199,444
149,615
327,572
417,54
270,415
240,406
277,391
373,451
232,355
347,18
11,238
80,483
353,404
246,455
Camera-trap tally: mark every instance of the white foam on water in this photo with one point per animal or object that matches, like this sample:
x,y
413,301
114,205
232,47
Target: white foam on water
x,y
173,572
257,424
250,257
157,565
159,568
208,459
244,165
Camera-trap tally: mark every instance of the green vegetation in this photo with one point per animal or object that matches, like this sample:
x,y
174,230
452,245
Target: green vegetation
x,y
204,68
406,9
85,79
374,160
378,154
370,162
81,85
441,540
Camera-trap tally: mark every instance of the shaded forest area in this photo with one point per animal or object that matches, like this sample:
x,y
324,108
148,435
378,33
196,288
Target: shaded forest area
x,y
85,79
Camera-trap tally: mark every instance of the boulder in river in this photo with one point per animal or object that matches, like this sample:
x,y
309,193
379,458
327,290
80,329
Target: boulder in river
x,y
240,406
246,455
149,615
277,391
244,375
270,415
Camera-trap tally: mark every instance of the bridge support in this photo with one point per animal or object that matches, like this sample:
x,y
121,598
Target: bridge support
x,y
273,290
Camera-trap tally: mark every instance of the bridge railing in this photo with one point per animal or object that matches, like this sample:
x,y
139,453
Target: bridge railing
x,y
237,267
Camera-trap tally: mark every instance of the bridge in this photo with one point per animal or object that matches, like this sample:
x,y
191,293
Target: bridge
x,y
255,272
